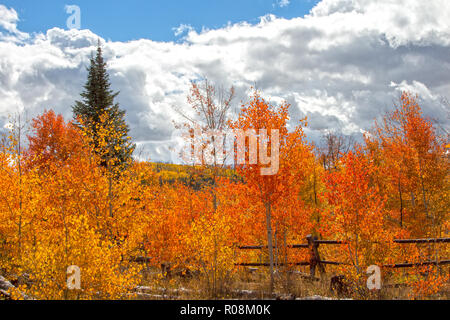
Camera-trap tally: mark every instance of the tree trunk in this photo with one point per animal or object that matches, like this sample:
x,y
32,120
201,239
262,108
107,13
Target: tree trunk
x,y
270,246
111,213
425,202
401,203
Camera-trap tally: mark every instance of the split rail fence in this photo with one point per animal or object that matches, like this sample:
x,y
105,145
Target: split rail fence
x,y
317,262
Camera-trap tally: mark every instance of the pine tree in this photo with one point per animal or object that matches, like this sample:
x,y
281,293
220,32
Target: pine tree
x,y
97,113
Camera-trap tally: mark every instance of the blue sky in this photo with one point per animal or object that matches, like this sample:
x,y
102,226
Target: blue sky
x,y
151,19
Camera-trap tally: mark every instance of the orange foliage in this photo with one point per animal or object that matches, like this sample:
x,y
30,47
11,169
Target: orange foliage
x,y
60,205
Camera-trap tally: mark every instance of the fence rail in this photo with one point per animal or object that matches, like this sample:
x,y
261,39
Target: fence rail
x,y
291,246
265,264
316,261
417,264
436,240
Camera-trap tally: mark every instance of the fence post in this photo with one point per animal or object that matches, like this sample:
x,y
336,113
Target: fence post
x,y
314,259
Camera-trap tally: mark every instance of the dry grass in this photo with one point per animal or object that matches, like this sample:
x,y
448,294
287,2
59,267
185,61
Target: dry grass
x,y
245,284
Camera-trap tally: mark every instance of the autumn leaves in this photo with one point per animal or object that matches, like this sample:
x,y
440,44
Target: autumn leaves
x,y
59,206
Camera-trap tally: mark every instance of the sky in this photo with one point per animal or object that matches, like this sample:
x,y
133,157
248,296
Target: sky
x,y
340,63
151,19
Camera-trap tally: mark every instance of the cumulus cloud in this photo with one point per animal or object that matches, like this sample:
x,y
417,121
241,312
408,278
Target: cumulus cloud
x,y
283,3
342,66
182,28
8,22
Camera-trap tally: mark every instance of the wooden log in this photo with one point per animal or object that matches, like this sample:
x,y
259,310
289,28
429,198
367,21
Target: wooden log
x,y
305,245
5,294
251,247
333,262
257,264
5,286
330,242
291,246
316,262
314,256
416,264
429,240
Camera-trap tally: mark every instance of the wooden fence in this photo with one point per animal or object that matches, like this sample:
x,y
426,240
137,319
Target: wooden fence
x,y
317,262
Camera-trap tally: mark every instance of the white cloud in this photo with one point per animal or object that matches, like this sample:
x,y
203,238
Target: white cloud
x,y
342,66
8,22
182,28
400,21
416,87
283,3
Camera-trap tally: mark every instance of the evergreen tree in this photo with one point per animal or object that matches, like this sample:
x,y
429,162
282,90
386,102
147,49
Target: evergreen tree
x,y
98,113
